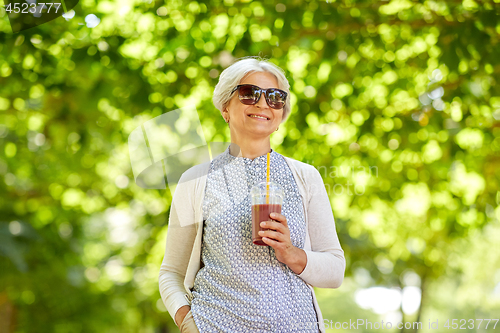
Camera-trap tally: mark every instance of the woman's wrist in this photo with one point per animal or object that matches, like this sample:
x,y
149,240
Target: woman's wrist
x,y
181,314
297,260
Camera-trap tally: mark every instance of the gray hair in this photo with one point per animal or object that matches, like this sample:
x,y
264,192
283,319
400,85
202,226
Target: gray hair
x,y
232,76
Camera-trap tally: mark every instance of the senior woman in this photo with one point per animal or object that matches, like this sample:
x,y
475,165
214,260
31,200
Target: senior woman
x,y
213,278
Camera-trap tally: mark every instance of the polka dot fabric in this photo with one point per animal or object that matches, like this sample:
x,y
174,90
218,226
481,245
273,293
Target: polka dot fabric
x,y
242,287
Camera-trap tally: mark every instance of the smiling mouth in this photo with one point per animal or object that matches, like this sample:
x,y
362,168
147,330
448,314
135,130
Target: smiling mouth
x,y
258,117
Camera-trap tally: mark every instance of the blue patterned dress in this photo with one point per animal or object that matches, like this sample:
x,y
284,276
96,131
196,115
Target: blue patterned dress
x,y
242,287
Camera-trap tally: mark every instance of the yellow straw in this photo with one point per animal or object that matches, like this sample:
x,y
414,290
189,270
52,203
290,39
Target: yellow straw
x,y
267,183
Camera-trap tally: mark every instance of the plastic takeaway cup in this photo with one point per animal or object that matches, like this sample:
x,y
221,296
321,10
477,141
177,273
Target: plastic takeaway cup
x,y
261,208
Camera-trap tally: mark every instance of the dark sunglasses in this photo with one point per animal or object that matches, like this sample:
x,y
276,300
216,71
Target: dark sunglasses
x,y
250,95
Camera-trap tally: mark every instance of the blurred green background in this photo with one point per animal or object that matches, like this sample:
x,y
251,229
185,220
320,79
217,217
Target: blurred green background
x,y
399,98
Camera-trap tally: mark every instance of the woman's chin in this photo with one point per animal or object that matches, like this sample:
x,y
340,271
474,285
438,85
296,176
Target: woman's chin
x,y
255,131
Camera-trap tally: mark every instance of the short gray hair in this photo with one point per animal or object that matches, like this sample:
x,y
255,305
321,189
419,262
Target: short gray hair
x,y
232,76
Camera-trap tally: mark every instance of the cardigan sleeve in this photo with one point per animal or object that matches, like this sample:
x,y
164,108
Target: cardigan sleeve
x,y
325,265
181,235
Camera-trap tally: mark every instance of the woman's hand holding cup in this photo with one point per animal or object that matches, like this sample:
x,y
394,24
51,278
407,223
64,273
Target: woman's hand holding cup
x,y
278,237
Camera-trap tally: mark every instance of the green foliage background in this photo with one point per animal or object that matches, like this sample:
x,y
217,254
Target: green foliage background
x,y
407,90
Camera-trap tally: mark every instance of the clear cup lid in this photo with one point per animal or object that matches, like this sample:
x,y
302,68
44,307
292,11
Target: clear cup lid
x,y
261,189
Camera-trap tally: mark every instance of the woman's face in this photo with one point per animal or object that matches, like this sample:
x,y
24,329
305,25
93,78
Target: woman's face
x,y
239,114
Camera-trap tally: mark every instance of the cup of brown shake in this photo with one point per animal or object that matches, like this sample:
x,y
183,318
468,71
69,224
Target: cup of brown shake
x,y
267,198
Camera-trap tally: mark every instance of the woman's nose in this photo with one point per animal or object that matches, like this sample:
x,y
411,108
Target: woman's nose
x,y
262,103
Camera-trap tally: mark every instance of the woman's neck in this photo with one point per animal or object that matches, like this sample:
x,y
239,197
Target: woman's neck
x,y
249,151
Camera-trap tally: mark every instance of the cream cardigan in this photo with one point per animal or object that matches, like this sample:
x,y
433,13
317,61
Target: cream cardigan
x,y
325,265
